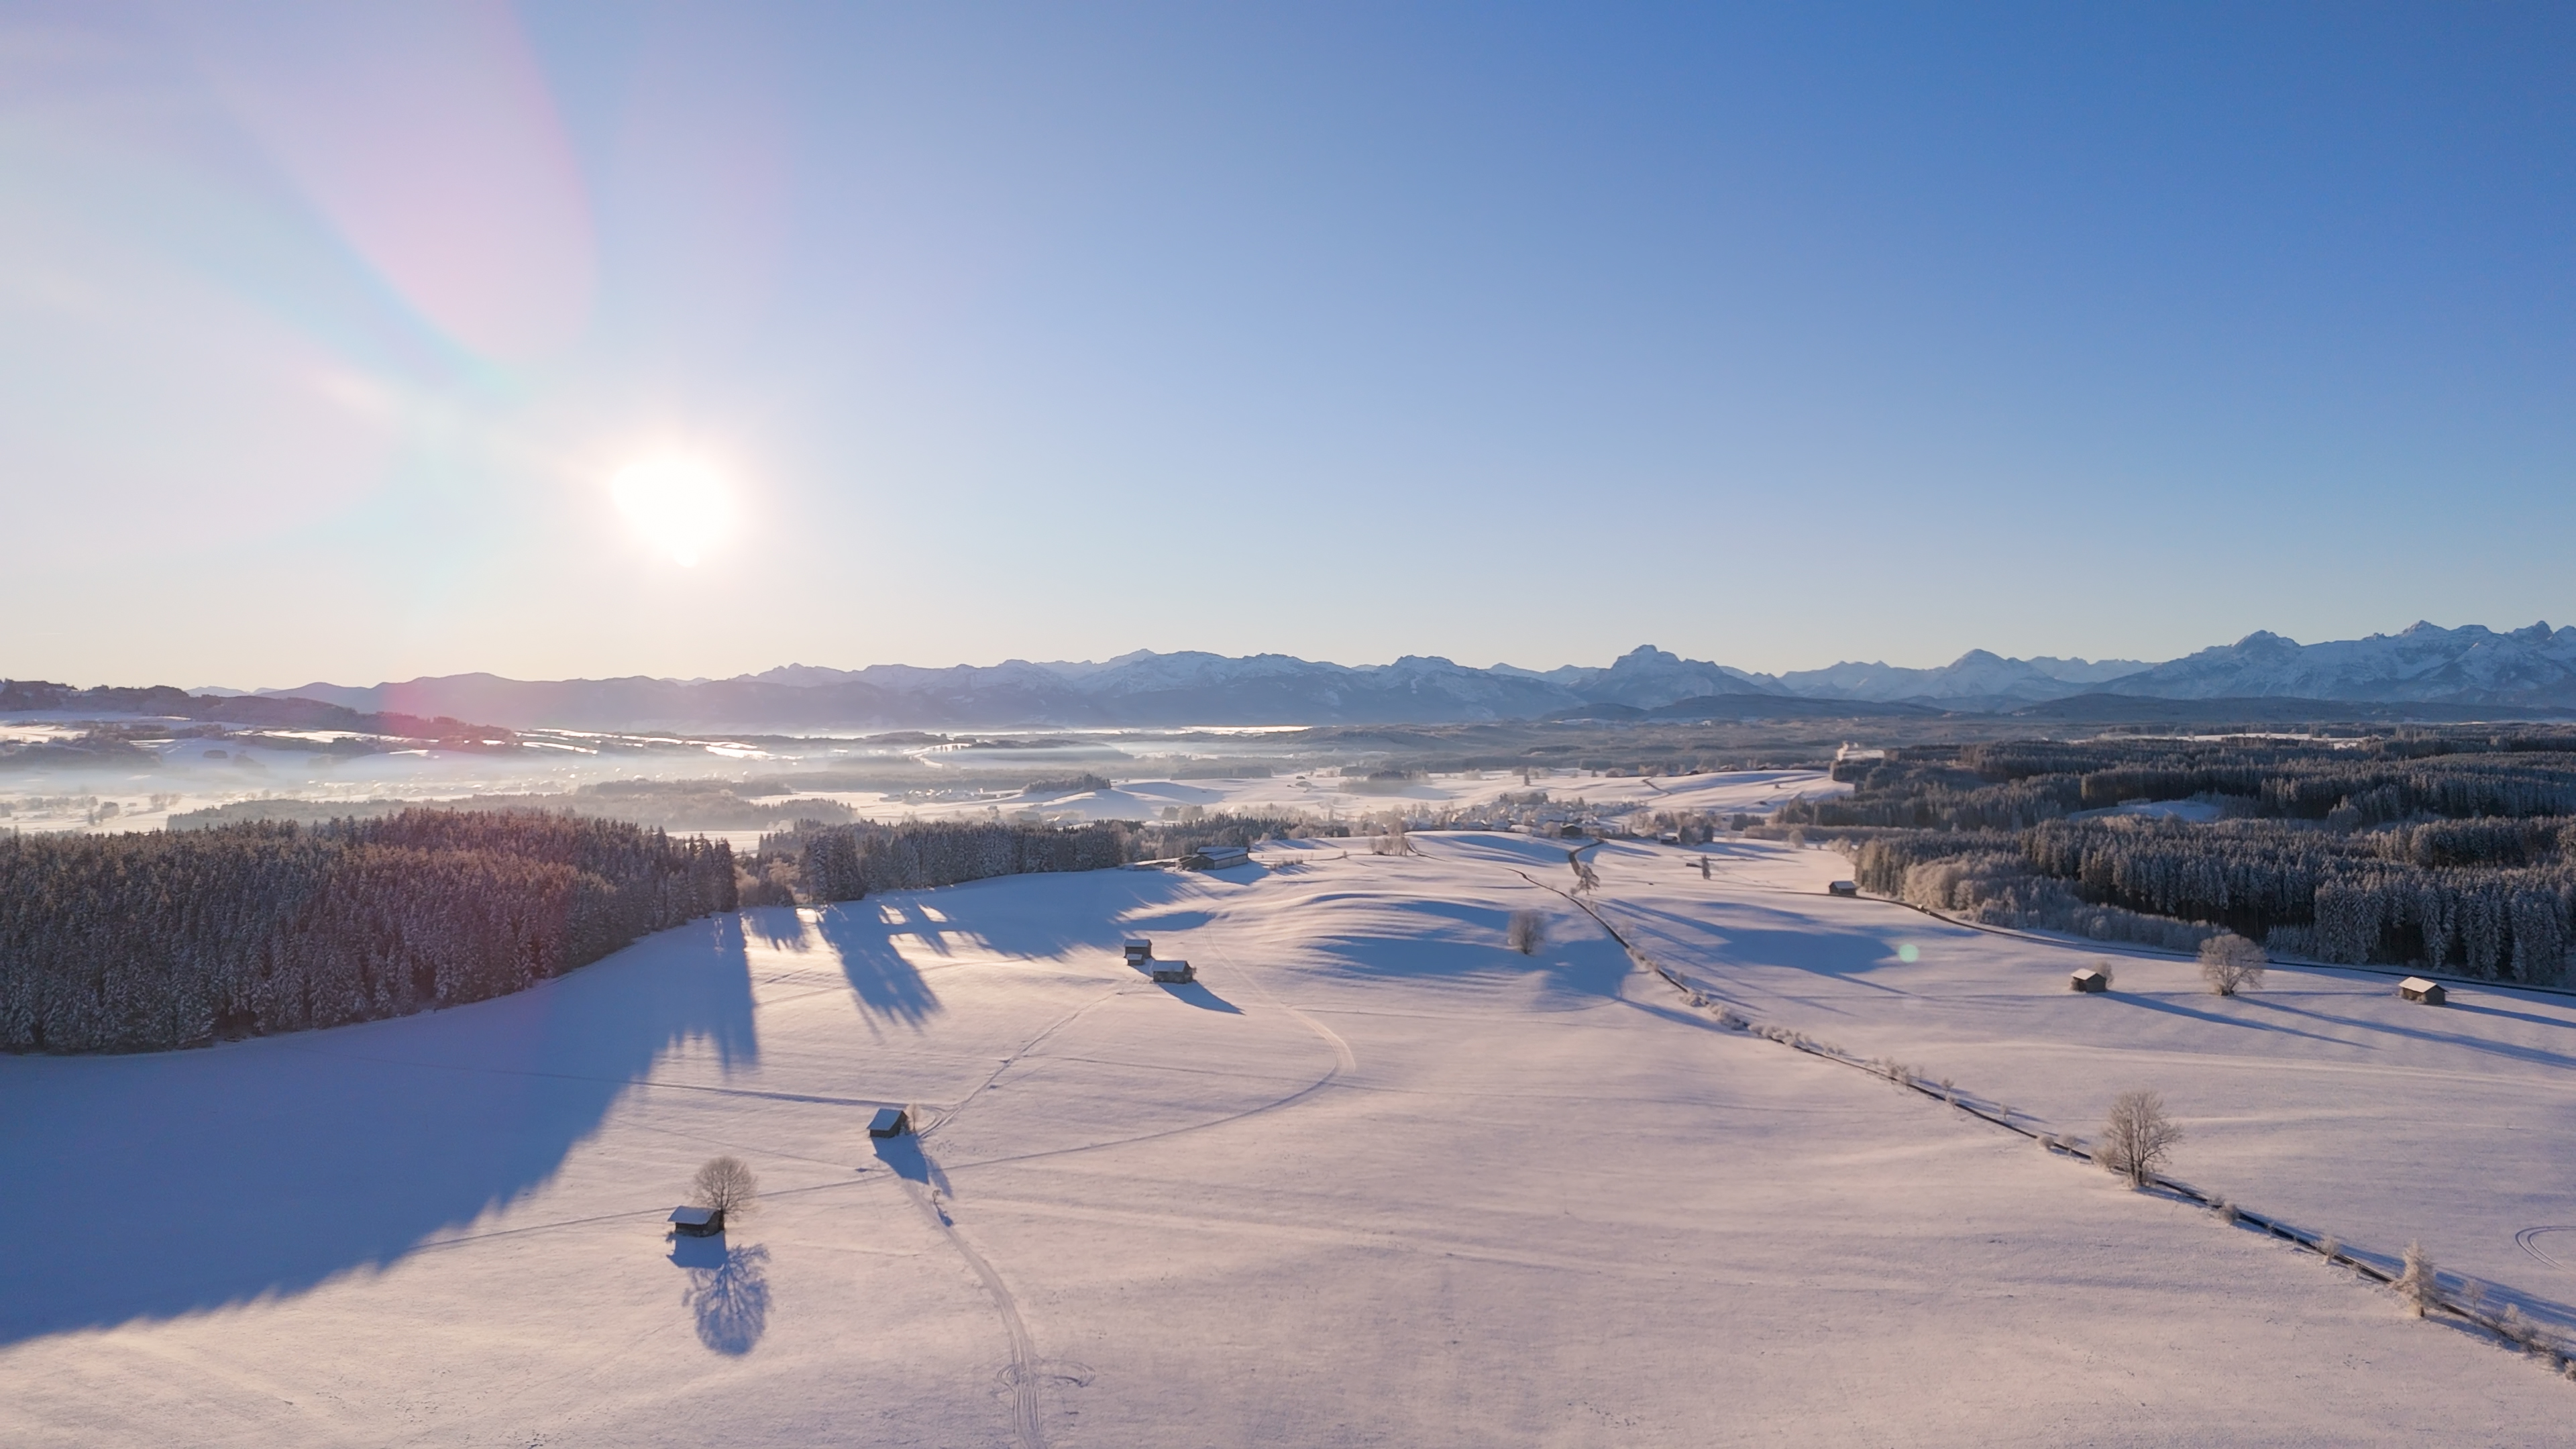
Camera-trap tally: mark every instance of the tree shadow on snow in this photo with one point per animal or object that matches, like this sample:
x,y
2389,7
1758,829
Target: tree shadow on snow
x,y
728,1292
181,1181
1032,917
1844,953
2538,1056
887,983
1436,938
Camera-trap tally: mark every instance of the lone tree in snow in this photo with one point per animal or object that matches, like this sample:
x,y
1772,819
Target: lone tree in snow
x,y
727,1185
2229,963
2138,1137
2416,1283
1585,878
1526,933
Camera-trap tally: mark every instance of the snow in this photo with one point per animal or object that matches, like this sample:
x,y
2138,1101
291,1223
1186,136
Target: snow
x,y
1371,1179
1325,796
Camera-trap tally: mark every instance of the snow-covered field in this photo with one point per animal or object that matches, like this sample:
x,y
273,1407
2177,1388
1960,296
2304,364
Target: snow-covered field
x,y
1326,797
1373,1180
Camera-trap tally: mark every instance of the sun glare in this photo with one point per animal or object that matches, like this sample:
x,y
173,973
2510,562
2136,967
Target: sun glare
x,y
678,503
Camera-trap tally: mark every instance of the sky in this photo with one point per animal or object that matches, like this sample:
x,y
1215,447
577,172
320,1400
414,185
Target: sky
x,y
366,342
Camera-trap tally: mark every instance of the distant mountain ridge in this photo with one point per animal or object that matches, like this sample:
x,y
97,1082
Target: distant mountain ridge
x,y
2532,668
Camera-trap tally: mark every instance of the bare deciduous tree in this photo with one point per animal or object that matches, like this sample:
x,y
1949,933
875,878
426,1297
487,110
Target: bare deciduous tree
x,y
2138,1137
2229,963
1526,933
727,1185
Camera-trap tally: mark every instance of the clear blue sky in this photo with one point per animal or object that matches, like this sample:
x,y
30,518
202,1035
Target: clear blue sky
x,y
1771,335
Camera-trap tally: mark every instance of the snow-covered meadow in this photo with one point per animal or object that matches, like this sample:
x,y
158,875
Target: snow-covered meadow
x,y
1373,1179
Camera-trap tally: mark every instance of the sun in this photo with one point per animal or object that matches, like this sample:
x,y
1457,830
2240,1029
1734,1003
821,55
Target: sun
x,y
678,502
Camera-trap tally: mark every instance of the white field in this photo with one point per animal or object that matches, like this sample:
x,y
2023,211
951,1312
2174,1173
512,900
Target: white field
x,y
1326,797
195,774
1375,1180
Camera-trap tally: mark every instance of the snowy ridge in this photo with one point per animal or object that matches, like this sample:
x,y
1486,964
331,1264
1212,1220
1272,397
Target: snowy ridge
x,y
2472,666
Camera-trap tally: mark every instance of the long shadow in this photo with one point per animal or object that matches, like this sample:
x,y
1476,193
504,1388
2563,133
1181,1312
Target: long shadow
x,y
2170,1009
1805,948
1199,996
182,1181
2540,1056
903,1153
2473,1009
1434,938
887,983
728,1292
1038,917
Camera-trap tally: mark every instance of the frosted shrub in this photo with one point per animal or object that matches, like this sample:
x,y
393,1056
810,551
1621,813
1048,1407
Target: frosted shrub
x,y
2138,1136
2416,1283
2332,1247
2230,963
1526,933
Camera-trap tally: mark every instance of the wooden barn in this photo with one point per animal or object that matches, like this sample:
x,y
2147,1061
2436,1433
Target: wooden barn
x,y
2416,988
696,1222
1174,971
2091,978
890,1122
1139,951
1844,888
1218,857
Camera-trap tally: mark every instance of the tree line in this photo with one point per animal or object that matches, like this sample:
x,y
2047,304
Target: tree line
x,y
2459,859
152,940
818,862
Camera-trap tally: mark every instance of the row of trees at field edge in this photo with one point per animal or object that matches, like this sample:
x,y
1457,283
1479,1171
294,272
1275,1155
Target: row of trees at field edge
x,y
2455,855
818,862
152,940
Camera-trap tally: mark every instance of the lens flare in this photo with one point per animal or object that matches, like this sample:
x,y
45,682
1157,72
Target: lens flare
x,y
679,504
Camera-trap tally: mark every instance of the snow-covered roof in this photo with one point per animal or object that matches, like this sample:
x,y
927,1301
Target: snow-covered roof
x,y
693,1217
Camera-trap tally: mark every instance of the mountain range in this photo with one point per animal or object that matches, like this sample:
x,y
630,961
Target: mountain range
x,y
2444,671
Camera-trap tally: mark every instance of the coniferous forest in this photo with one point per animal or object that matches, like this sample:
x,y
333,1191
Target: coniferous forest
x,y
146,941
2452,853
151,940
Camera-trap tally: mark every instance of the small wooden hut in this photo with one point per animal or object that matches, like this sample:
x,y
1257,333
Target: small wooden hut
x,y
697,1222
1139,951
2416,988
2091,978
890,1122
1174,971
1844,888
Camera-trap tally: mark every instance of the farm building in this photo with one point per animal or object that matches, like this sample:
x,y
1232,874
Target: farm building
x,y
1218,857
696,1222
1174,971
2416,988
890,1122
2091,978
1139,951
1844,888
